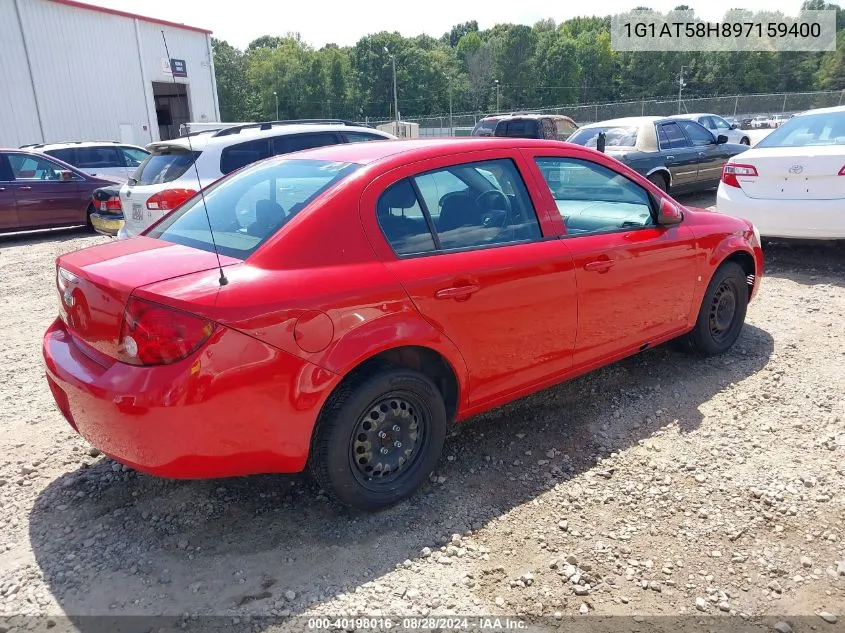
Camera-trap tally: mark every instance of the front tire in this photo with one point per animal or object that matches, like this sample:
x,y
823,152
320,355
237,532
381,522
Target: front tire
x,y
745,141
722,312
378,438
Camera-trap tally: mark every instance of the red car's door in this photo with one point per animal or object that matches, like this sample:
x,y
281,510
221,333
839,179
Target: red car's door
x,y
467,245
43,198
8,209
635,279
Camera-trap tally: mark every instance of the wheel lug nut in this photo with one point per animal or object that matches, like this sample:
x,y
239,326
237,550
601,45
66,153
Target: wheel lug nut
x,y
396,428
384,451
382,434
397,444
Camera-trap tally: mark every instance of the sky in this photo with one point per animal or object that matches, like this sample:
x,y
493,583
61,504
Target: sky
x,y
343,22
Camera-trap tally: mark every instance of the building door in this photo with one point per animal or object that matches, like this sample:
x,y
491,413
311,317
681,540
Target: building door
x,y
172,107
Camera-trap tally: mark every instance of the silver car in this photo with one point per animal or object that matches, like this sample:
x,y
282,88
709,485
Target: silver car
x,y
717,125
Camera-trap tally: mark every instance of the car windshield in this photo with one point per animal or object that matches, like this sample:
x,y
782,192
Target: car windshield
x,y
614,136
165,164
250,206
825,128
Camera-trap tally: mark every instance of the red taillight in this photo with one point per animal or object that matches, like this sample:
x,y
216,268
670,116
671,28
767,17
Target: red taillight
x,y
153,334
842,171
169,199
731,171
112,204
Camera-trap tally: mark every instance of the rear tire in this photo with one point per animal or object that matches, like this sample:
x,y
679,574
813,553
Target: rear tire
x,y
659,181
722,312
378,438
89,226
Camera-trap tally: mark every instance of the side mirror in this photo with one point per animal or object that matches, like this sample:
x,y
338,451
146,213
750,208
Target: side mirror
x,y
721,139
734,126
669,213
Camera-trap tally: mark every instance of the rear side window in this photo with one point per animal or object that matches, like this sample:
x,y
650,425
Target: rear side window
x,y
295,142
670,136
458,207
357,137
164,165
249,207
243,154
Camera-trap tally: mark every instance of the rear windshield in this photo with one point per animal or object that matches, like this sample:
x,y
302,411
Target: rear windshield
x,y
827,128
614,136
164,165
485,128
248,207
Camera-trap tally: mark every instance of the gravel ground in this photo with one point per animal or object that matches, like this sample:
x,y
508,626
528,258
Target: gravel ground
x,y
661,485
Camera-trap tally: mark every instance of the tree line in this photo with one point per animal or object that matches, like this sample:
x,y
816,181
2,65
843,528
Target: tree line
x,y
546,64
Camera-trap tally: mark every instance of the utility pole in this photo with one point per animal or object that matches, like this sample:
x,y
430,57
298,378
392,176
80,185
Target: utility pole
x,y
276,96
395,97
451,128
681,85
497,96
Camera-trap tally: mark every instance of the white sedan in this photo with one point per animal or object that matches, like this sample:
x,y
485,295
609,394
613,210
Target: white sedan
x,y
792,183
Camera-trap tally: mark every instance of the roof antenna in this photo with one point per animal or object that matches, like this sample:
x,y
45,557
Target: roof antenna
x,y
223,280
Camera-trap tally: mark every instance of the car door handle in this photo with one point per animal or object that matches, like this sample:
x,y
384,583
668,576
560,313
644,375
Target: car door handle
x,y
25,188
670,158
600,265
2,188
457,292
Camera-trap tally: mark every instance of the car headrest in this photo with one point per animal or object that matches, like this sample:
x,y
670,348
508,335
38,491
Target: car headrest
x,y
399,196
268,212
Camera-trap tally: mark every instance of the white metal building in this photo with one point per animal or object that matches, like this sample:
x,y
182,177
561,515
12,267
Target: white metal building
x,y
71,71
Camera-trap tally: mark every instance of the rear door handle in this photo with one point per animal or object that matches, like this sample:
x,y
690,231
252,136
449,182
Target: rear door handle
x,y
457,292
25,188
599,265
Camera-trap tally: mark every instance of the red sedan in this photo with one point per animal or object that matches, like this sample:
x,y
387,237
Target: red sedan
x,y
369,295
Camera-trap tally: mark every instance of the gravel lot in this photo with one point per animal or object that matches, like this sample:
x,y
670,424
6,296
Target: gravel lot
x,y
662,485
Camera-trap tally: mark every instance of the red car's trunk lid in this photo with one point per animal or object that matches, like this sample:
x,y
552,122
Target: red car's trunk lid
x,y
94,283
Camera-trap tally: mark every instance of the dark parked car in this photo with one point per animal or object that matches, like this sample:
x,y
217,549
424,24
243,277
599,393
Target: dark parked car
x,y
40,192
675,154
107,217
526,125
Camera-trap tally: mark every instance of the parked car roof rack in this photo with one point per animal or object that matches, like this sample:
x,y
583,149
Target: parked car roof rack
x,y
267,125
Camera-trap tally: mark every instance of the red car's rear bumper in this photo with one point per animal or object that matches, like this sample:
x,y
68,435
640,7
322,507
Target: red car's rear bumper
x,y
235,407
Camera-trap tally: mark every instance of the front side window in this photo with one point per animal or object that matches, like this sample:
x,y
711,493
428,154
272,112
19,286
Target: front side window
x,y
592,198
26,167
719,123
97,158
466,206
132,156
249,207
697,133
670,136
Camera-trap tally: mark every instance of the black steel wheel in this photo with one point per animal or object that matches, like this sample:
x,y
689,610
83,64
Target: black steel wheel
x,y
722,312
378,438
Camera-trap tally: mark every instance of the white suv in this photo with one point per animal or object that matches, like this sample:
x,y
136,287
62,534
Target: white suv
x,y
168,177
96,158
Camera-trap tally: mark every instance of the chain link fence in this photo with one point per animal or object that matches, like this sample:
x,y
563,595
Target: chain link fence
x,y
739,106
